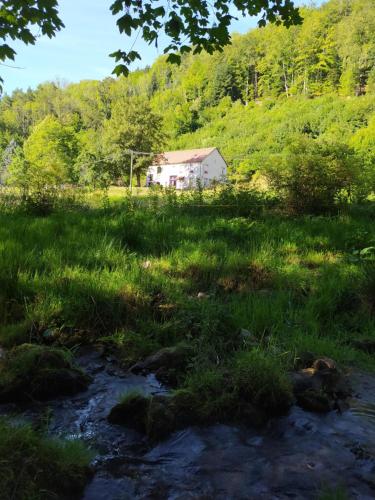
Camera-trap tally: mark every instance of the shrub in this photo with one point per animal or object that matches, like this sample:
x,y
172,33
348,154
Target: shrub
x,y
39,468
311,175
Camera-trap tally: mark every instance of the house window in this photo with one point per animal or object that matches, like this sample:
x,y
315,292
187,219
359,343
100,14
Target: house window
x,y
158,170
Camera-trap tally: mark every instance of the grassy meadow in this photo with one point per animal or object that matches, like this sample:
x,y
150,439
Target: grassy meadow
x,y
146,272
228,276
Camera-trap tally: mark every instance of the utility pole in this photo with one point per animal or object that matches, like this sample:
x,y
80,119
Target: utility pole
x,y
132,155
131,170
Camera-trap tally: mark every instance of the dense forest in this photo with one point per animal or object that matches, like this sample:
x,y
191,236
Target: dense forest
x,y
271,87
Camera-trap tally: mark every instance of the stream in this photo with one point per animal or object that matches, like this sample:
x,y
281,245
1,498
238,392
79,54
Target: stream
x,y
294,457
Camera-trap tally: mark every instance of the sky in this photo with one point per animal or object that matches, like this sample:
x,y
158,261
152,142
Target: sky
x,y
81,50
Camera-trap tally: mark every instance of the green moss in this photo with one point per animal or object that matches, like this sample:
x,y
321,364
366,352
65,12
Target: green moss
x,y
131,411
38,468
212,396
40,372
251,389
262,380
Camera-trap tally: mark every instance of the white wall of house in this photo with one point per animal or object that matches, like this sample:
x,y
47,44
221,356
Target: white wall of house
x,y
186,175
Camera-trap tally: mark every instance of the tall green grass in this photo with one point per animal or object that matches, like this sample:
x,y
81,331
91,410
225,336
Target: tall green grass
x,y
131,274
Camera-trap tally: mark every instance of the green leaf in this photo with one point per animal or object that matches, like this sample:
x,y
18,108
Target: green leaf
x,y
174,58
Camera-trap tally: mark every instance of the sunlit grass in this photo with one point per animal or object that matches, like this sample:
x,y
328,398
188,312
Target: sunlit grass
x,y
134,274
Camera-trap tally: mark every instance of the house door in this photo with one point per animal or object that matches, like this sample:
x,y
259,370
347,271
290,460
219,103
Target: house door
x,y
173,180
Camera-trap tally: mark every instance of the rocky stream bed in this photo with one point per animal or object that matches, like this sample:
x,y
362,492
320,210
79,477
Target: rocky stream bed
x,y
295,456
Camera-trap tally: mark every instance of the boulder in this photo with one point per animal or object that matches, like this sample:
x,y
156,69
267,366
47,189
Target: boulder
x,y
32,371
49,383
312,400
160,418
167,363
131,412
320,386
304,359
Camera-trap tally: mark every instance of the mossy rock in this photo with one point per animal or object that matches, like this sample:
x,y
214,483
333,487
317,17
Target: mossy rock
x,y
312,400
131,411
167,363
318,387
304,359
251,390
161,418
262,381
38,372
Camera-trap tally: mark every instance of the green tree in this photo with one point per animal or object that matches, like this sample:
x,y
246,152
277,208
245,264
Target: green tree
x,y
132,126
363,141
48,156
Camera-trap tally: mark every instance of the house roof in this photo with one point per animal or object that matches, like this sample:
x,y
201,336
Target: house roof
x,y
187,156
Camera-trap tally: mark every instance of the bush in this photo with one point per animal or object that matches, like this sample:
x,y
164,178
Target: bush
x,y
312,176
38,468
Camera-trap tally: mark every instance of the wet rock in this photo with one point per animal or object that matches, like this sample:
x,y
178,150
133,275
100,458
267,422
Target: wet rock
x,y
50,383
252,416
302,380
320,387
312,400
304,359
360,452
160,418
324,364
167,376
155,416
184,404
131,412
39,372
166,363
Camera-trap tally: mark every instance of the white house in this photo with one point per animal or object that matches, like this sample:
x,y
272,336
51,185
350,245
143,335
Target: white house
x,y
184,169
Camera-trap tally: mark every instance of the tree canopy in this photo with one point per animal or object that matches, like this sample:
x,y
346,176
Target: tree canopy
x,y
188,24
19,18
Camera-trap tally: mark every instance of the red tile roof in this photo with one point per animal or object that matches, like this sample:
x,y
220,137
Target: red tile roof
x,y
187,156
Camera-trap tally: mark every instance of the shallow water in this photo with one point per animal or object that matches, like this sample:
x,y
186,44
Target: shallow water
x,y
294,457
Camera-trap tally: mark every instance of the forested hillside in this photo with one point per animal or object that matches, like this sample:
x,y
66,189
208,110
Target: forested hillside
x,y
316,80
